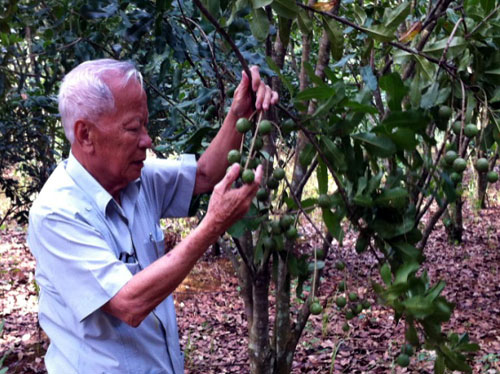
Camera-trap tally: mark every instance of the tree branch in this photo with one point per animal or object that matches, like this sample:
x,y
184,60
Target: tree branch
x,y
224,34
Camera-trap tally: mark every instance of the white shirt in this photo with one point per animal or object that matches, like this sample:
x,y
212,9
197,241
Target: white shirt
x,y
87,247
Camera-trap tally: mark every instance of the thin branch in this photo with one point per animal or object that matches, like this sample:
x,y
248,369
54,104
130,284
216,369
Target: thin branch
x,y
212,54
244,257
224,34
398,45
484,20
443,56
430,225
170,101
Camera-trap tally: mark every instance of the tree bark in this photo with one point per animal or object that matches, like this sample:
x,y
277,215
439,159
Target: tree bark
x,y
260,355
455,228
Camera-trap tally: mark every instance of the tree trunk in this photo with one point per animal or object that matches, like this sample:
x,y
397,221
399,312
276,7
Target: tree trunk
x,y
455,227
260,355
482,184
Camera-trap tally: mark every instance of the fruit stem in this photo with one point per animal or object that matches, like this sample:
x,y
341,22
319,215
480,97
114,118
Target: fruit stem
x,y
253,139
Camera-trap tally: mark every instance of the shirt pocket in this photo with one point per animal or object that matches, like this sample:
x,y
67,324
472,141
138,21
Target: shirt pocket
x,y
133,267
155,243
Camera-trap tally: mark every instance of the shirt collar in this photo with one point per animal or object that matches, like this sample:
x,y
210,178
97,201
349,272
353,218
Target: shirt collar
x,y
88,183
97,193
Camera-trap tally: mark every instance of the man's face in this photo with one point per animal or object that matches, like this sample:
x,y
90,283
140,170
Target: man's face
x,y
121,138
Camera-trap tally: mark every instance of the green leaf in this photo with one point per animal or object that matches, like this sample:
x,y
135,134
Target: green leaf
x,y
213,6
336,37
394,17
293,265
454,361
411,335
325,106
362,243
426,67
304,22
322,92
359,14
285,80
419,306
439,46
395,88
443,309
439,365
368,77
408,251
393,198
432,328
469,347
259,25
258,252
249,222
334,155
493,71
363,201
322,175
416,120
487,5
284,28
361,108
379,145
332,222
404,139
415,92
312,75
306,155
430,97
404,272
285,8
389,230
260,3
380,33
436,290
385,273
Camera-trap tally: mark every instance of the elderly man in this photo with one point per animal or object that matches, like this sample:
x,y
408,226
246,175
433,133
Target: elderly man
x,y
105,284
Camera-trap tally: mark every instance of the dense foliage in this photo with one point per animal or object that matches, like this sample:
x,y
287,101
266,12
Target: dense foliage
x,y
389,100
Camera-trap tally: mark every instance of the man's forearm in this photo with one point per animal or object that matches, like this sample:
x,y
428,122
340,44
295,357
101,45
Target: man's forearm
x,y
152,285
213,163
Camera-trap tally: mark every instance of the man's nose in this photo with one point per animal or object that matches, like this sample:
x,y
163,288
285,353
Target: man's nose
x,y
145,140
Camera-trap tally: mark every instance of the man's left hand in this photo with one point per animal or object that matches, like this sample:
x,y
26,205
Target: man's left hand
x,y
264,95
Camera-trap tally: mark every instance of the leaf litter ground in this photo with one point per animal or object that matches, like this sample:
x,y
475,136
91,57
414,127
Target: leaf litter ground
x,y
212,321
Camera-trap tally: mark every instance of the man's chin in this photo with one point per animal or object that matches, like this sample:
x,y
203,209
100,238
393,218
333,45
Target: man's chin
x,y
135,170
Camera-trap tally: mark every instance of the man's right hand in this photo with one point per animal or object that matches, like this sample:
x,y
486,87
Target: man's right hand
x,y
228,204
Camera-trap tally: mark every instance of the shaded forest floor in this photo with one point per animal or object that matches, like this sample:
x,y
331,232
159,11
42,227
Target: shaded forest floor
x,y
212,322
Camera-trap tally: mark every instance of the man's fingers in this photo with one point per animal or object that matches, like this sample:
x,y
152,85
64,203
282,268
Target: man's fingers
x,y
274,97
267,98
230,177
255,77
258,175
261,93
243,85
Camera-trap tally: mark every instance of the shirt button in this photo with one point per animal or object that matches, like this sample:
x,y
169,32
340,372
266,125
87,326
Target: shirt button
x,y
88,209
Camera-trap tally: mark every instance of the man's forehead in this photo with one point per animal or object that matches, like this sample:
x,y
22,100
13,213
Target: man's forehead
x,y
123,88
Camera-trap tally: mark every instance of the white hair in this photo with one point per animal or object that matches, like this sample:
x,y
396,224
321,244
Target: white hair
x,y
85,95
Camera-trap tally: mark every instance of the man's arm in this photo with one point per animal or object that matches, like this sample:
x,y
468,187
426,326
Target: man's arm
x,y
153,284
213,163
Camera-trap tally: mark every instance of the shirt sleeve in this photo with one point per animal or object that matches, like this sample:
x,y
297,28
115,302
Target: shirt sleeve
x,y
74,258
170,184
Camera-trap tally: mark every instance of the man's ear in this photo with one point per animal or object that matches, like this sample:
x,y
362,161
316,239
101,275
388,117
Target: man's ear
x,y
83,136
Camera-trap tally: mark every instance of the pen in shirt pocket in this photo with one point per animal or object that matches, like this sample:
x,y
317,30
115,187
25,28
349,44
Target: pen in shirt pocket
x,y
152,240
